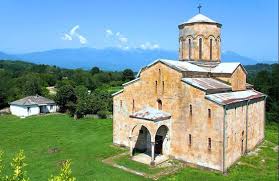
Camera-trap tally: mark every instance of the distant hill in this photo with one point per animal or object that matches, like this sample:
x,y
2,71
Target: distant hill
x,y
109,58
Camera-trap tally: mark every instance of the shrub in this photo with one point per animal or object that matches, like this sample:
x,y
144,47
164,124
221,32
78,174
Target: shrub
x,y
65,173
102,114
19,174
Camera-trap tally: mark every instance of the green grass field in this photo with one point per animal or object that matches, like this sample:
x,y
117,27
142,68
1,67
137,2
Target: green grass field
x,y
87,142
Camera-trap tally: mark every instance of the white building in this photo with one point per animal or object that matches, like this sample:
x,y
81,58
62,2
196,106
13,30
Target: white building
x,y
32,105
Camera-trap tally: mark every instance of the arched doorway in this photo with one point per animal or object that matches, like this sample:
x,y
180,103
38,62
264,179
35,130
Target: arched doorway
x,y
162,141
143,141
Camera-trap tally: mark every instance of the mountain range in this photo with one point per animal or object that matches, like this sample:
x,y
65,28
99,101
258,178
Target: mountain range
x,y
109,58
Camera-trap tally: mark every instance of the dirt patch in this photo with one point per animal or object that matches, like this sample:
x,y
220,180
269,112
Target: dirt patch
x,y
53,150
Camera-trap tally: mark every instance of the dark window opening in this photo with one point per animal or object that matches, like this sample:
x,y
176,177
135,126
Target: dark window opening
x,y
209,113
210,49
242,146
28,109
141,131
160,104
191,111
121,103
51,107
190,139
156,86
200,48
190,48
133,104
163,85
209,143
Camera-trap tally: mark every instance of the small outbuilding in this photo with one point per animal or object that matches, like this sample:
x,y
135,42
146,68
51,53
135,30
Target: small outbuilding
x,y
32,105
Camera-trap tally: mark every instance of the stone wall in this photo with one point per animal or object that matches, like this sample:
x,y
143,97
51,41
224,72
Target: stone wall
x,y
201,127
193,33
237,132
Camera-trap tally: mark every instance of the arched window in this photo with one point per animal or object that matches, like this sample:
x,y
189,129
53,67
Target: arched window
x,y
156,86
159,74
160,104
209,143
209,113
182,48
210,50
200,48
191,111
190,48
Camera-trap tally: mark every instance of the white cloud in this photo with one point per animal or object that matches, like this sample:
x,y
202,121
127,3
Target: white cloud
x,y
149,46
82,39
74,34
67,37
119,40
109,32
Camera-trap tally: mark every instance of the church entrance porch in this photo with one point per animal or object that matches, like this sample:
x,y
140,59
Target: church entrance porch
x,y
149,136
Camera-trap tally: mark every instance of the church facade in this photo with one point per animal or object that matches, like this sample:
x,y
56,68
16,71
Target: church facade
x,y
195,109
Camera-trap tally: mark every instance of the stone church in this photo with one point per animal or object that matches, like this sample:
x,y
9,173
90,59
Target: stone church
x,y
196,109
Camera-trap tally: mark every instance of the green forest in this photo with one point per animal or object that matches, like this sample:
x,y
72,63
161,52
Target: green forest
x,y
77,92
80,92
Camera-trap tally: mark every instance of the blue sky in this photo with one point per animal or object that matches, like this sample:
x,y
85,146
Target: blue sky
x,y
250,27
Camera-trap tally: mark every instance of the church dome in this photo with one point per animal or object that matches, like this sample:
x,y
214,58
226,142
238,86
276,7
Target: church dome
x,y
200,18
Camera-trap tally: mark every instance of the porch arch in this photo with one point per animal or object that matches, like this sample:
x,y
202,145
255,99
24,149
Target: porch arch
x,y
162,140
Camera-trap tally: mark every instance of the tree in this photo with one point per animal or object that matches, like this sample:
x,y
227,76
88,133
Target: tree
x,y
127,75
66,98
32,87
94,70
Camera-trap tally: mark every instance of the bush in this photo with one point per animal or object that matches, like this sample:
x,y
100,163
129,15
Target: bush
x,y
102,114
65,173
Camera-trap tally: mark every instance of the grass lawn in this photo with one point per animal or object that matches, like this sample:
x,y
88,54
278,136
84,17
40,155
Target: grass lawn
x,y
87,142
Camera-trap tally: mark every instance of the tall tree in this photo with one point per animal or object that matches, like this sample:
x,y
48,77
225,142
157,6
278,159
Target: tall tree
x,y
127,75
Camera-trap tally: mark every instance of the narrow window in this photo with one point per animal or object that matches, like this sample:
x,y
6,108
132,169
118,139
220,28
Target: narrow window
x,y
156,85
163,86
159,74
210,50
160,104
133,104
242,134
121,103
190,47
51,107
209,143
182,49
242,146
190,139
28,109
200,48
191,111
209,113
